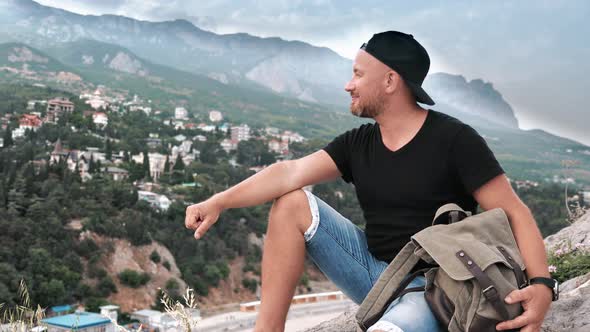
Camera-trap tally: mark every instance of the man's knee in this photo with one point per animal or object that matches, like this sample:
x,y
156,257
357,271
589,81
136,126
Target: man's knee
x,y
292,207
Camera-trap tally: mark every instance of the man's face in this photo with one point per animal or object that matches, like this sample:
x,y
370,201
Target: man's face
x,y
365,86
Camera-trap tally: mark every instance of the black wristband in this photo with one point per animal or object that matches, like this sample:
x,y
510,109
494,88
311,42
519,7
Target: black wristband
x,y
550,283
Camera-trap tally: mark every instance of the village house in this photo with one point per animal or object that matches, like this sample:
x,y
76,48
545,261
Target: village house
x,y
292,137
240,133
100,119
228,145
32,103
117,174
96,100
205,127
180,113
215,116
79,321
155,200
30,122
200,138
157,162
278,147
58,106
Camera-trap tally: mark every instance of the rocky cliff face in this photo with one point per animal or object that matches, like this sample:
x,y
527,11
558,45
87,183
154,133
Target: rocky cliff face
x,y
474,97
570,313
123,255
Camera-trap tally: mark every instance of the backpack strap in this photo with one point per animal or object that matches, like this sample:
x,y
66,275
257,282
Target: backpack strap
x,y
518,272
485,283
449,213
387,286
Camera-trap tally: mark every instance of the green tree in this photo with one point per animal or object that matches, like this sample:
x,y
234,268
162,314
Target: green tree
x,y
178,164
155,257
146,164
8,137
108,150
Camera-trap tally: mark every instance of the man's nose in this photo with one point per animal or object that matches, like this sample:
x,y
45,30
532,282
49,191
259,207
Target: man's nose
x,y
349,86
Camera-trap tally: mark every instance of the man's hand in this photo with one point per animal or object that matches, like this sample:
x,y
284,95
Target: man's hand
x,y
200,217
536,300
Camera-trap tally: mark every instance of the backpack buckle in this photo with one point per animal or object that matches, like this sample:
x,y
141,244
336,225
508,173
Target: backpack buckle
x,y
490,292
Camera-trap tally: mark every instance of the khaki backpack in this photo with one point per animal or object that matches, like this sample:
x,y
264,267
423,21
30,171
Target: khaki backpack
x,y
477,265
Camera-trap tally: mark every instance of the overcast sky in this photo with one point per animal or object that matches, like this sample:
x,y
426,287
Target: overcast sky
x,y
536,53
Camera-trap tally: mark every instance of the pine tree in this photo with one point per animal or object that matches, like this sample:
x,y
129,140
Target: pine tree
x,y
108,150
146,164
91,165
8,137
179,164
167,165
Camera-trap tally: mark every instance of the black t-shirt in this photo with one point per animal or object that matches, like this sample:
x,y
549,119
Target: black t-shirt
x,y
399,191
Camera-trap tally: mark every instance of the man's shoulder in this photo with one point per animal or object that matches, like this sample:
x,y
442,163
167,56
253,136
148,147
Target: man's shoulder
x,y
446,125
446,119
361,131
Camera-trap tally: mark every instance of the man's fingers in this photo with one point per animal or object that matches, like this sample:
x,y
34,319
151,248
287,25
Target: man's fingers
x,y
518,295
517,322
192,217
203,228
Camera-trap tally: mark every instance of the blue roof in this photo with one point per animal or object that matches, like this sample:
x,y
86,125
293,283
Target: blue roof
x,y
77,320
61,308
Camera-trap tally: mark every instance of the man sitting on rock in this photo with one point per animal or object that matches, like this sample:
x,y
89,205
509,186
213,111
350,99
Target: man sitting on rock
x,y
404,166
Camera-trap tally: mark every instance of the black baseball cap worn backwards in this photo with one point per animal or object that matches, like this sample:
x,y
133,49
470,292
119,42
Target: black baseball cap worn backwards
x,y
402,53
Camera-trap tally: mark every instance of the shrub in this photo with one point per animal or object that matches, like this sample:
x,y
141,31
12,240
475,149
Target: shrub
x,y
569,261
250,284
155,257
106,286
172,284
167,265
133,279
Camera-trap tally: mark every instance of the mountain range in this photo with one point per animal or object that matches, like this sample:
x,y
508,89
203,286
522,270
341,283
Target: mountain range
x,y
262,81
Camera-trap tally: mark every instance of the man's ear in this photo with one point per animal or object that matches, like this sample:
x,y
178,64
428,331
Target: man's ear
x,y
391,82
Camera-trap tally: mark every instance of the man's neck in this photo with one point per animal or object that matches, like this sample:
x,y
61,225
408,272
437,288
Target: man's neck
x,y
400,125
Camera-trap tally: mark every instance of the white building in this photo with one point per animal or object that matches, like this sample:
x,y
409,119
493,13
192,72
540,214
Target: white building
x,y
157,201
109,311
240,133
206,128
157,163
180,138
100,119
200,138
180,113
292,137
228,145
278,147
215,116
96,100
156,320
118,174
18,133
185,147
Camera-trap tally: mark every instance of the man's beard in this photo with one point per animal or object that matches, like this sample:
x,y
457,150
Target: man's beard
x,y
370,109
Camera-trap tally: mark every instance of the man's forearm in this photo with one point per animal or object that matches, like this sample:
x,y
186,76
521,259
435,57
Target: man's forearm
x,y
530,242
261,187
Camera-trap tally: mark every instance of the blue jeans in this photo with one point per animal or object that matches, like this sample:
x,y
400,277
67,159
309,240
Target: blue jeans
x,y
339,249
